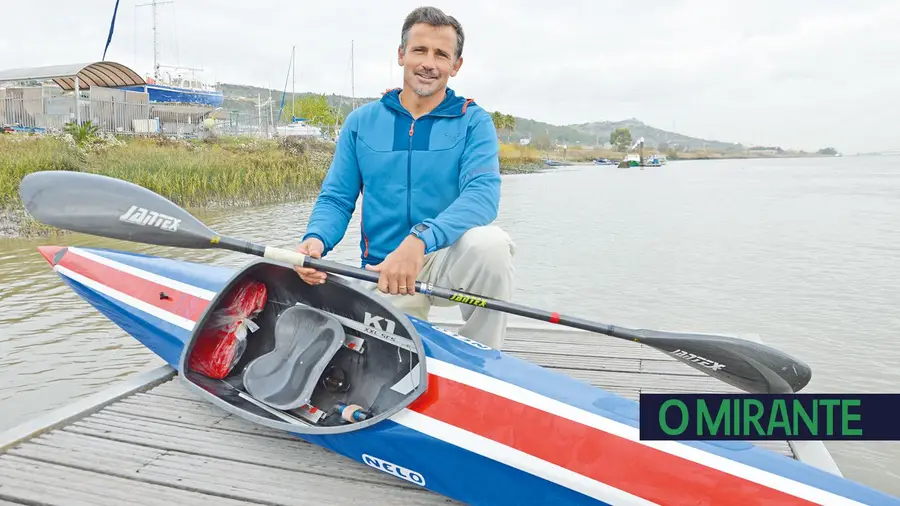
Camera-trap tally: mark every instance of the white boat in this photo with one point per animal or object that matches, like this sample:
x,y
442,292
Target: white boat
x,y
299,128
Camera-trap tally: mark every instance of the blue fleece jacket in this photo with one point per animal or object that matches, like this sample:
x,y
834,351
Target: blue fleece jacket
x,y
442,169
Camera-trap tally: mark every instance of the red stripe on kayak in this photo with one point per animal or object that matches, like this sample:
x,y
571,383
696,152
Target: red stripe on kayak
x,y
618,462
178,303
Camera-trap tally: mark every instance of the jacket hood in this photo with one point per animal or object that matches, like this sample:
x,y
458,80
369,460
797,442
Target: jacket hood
x,y
452,105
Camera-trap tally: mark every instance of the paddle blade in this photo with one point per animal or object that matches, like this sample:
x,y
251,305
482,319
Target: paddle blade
x,y
109,207
750,366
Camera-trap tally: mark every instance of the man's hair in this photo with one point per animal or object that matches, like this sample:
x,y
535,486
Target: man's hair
x,y
434,17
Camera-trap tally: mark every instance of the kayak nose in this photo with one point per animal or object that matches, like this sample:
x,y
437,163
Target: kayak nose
x,y
51,253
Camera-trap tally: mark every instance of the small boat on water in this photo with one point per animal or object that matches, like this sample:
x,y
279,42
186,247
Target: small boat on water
x,y
340,367
656,161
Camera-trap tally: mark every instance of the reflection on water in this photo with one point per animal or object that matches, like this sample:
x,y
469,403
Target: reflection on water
x,y
801,252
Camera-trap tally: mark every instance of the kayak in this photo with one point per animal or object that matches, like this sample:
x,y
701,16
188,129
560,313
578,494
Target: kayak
x,y
338,366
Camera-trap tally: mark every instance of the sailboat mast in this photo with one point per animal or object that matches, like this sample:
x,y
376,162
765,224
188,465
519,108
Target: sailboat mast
x,y
293,81
352,78
155,43
153,4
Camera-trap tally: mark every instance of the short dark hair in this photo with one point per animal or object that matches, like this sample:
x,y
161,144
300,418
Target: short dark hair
x,y
434,17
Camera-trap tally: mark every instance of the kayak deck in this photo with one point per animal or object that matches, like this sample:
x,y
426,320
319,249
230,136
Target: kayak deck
x,y
152,441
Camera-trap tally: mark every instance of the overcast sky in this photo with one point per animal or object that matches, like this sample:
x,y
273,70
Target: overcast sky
x,y
796,74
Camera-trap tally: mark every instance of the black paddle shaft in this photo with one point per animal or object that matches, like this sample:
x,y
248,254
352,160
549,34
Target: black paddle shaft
x,y
109,207
744,364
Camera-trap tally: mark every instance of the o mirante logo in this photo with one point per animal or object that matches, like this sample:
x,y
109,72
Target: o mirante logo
x,y
769,417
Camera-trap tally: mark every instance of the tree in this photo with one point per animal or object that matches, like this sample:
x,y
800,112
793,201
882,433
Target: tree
x,y
620,138
315,110
503,122
510,122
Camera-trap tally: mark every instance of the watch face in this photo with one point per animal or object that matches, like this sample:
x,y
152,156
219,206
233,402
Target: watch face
x,y
421,227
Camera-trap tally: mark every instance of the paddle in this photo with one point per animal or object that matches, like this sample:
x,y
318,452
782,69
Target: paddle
x,y
108,207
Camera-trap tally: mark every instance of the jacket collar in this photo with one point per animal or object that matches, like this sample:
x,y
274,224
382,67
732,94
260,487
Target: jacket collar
x,y
452,106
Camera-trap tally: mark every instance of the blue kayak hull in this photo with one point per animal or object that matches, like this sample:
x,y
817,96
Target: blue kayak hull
x,y
484,427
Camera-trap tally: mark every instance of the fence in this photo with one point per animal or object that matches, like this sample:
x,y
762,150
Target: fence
x,y
120,112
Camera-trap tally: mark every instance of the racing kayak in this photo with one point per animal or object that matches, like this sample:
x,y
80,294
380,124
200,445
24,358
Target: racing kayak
x,y
338,366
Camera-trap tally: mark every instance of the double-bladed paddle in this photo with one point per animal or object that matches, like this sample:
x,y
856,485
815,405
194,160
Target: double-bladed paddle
x,y
108,207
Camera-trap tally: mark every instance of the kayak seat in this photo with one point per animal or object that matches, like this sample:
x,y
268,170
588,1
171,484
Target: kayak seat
x,y
306,340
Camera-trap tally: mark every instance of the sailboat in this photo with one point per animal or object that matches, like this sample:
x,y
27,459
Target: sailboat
x,y
298,127
175,86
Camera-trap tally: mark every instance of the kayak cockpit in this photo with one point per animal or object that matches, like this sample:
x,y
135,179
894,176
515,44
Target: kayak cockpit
x,y
326,358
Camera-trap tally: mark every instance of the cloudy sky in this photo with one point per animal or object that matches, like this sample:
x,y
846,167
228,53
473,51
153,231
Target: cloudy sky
x,y
799,74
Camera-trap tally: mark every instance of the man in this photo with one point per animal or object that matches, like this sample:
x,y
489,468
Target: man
x,y
427,164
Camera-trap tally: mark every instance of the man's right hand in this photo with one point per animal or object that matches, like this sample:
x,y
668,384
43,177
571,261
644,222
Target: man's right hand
x,y
311,247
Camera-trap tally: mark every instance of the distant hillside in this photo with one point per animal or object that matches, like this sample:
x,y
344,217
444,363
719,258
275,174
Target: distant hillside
x,y
244,98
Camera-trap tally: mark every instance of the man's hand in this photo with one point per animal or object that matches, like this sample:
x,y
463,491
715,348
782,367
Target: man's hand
x,y
400,269
311,247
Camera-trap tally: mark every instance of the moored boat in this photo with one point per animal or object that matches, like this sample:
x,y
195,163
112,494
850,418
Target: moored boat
x,y
341,368
185,92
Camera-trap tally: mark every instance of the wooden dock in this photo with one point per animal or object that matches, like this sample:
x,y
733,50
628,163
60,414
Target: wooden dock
x,y
149,440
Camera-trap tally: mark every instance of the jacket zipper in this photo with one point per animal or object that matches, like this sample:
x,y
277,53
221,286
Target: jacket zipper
x,y
362,226
412,127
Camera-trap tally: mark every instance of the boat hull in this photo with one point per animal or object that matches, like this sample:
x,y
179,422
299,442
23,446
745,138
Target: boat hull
x,y
489,428
171,94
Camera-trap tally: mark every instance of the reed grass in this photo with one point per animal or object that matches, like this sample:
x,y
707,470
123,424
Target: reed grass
x,y
234,171
516,159
224,171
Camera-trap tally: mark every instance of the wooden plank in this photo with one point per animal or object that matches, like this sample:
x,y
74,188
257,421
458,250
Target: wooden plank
x,y
163,408
649,382
177,390
550,360
514,344
218,477
585,339
41,482
290,455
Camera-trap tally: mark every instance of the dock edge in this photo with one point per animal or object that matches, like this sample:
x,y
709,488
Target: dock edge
x,y
84,407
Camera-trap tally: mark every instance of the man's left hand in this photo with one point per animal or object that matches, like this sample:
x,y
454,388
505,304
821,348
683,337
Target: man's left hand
x,y
400,269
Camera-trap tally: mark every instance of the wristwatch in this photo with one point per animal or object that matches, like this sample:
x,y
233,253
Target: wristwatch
x,y
418,230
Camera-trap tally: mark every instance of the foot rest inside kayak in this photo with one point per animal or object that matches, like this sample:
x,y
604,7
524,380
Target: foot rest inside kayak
x,y
324,358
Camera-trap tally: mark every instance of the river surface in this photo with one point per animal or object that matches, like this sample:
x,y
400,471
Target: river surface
x,y
803,252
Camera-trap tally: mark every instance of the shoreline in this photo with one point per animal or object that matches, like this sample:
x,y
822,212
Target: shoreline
x,y
200,174
16,224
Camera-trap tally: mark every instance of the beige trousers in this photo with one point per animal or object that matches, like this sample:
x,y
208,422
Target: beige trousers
x,y
480,262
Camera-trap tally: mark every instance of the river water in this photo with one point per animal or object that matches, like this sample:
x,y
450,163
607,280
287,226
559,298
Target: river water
x,y
802,252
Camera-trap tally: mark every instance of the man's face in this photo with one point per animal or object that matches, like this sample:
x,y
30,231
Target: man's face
x,y
430,58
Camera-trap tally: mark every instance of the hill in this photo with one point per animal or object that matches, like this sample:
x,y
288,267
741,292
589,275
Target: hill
x,y
542,135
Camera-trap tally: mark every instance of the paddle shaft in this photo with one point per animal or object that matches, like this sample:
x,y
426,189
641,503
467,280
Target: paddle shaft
x,y
460,297
296,258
